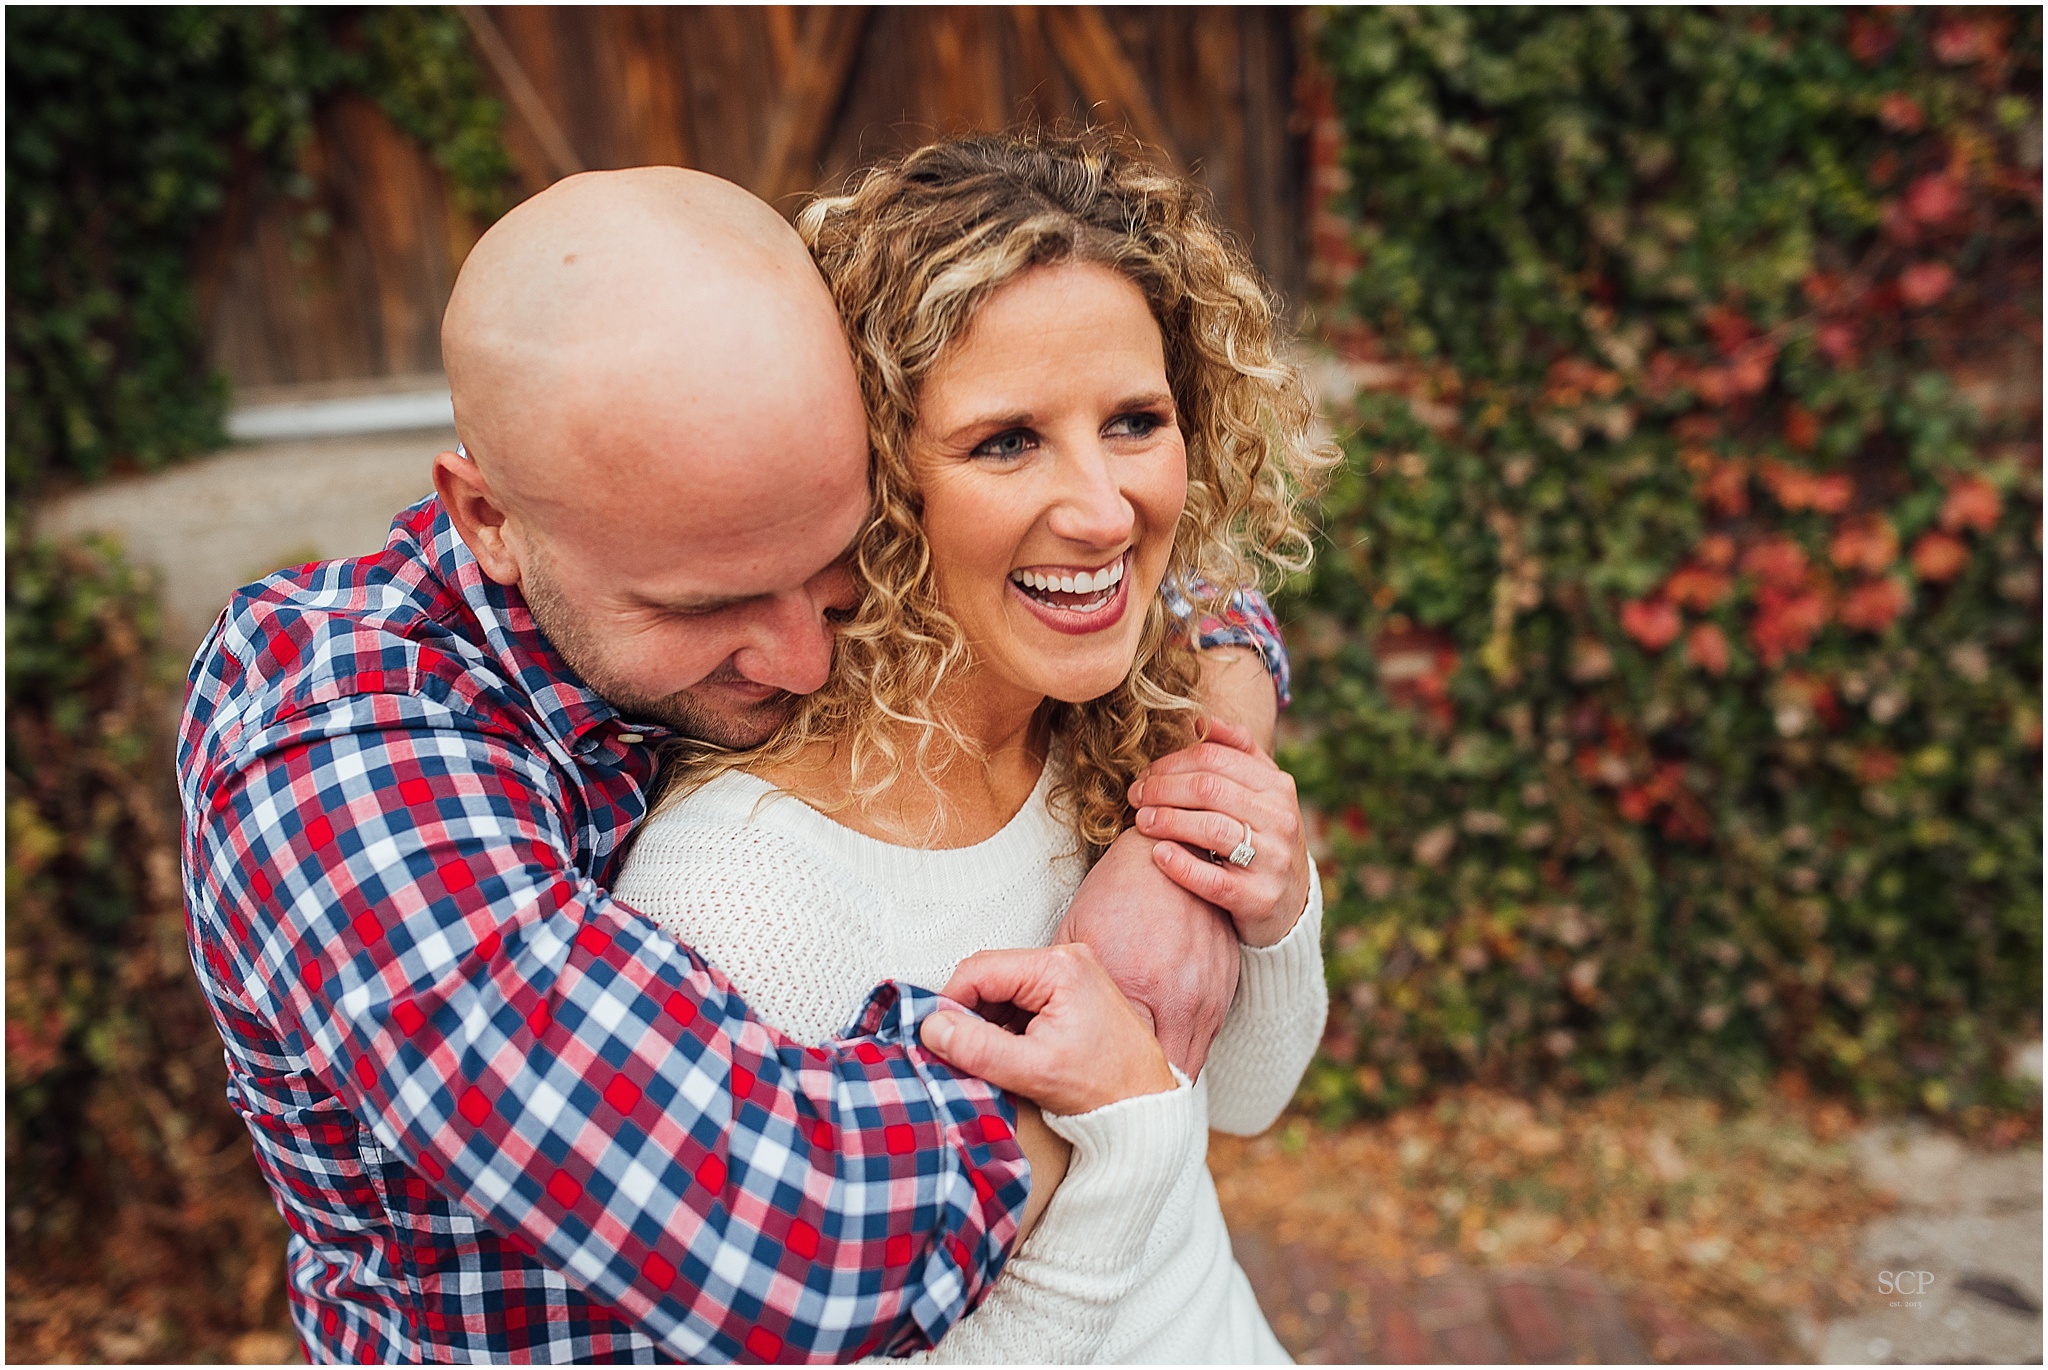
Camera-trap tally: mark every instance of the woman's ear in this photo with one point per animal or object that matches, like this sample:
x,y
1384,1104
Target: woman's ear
x,y
478,517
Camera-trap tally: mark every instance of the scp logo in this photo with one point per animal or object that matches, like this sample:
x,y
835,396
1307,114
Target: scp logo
x,y
1904,1281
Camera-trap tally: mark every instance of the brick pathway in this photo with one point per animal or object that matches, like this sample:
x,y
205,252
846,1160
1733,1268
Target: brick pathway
x,y
1328,1312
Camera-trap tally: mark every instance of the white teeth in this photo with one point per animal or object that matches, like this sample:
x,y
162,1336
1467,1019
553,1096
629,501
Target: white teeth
x,y
1085,582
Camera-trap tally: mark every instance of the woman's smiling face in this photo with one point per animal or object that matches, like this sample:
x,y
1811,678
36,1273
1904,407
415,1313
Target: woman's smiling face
x,y
1053,473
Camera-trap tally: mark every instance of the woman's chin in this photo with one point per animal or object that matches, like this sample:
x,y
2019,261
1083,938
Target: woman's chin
x,y
1084,686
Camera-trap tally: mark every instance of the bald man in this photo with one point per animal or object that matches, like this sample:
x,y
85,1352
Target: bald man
x,y
504,1116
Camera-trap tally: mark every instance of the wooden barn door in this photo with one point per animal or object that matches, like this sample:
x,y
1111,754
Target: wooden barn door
x,y
781,99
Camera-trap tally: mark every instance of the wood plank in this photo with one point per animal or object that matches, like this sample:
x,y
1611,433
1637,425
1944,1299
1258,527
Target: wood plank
x,y
704,86
651,92
1219,75
586,65
801,121
966,68
1040,95
397,201
1273,190
1092,54
533,111
725,50
780,25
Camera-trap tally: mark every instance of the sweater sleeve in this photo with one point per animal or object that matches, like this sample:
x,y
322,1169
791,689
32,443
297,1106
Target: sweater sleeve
x,y
1273,1027
1058,1297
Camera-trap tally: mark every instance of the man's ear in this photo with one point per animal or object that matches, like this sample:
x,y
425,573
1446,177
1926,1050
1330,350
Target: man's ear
x,y
478,517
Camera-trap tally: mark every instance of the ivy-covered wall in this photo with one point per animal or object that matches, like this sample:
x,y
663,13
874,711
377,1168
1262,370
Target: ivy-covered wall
x,y
1672,673
125,128
138,1226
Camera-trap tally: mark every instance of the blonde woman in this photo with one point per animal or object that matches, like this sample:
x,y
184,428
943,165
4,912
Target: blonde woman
x,y
1074,398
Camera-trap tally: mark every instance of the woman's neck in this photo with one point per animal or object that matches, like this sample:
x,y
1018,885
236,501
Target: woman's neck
x,y
956,797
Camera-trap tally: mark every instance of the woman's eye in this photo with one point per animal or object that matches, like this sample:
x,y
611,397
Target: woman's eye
x,y
1135,425
1006,446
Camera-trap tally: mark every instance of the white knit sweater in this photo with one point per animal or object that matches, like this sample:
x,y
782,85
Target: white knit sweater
x,y
1131,1261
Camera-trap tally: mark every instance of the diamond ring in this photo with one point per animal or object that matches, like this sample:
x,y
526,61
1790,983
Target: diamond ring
x,y
1243,853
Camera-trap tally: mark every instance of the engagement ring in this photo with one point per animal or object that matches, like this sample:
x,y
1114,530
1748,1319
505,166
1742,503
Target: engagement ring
x,y
1242,854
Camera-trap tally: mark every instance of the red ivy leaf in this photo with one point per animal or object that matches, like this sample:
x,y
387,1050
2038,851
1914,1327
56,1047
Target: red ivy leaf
x,y
1972,503
1777,562
1901,113
1706,647
1939,557
1871,39
1874,605
1838,342
1786,622
1934,198
1802,429
1866,544
1697,587
1716,549
1922,283
1651,622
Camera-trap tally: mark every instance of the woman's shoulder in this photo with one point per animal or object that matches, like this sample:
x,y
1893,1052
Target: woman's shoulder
x,y
733,825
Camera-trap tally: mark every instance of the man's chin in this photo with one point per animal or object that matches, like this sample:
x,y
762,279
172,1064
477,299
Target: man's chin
x,y
733,727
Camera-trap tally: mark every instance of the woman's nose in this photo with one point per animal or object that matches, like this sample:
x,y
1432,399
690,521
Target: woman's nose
x,y
1092,509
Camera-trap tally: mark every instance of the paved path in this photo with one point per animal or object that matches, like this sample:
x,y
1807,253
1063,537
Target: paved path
x,y
1330,1312
208,526
1971,1221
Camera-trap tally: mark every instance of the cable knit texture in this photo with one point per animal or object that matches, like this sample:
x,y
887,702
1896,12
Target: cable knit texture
x,y
1131,1261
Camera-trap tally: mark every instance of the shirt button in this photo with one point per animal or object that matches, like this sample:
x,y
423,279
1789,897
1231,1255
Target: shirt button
x,y
632,739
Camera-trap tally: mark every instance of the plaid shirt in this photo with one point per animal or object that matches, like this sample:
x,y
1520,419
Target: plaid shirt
x,y
504,1116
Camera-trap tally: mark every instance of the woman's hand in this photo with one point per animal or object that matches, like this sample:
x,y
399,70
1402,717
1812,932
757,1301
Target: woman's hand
x,y
1212,797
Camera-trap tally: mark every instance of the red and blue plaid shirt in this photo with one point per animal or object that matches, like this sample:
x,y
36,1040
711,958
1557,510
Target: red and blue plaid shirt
x,y
505,1117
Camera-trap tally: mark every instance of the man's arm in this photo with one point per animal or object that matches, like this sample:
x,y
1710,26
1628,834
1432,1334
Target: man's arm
x,y
1237,688
401,906
1174,954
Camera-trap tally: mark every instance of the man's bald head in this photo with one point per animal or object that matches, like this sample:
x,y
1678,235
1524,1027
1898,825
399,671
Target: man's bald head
x,y
652,383
617,308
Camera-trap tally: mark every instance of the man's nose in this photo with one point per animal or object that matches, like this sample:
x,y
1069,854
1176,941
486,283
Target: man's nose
x,y
791,645
1091,509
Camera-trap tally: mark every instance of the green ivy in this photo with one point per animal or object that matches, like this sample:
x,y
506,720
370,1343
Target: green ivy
x,y
423,71
125,127
1674,689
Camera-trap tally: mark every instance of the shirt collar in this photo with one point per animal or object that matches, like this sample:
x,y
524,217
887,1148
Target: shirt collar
x,y
566,707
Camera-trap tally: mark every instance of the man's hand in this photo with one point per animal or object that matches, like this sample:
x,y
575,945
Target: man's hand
x,y
1085,1046
1172,954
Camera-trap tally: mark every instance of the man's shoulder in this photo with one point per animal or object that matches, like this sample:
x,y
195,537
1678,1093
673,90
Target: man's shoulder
x,y
380,625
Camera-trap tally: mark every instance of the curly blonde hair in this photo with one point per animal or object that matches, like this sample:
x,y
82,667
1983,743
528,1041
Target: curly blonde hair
x,y
911,251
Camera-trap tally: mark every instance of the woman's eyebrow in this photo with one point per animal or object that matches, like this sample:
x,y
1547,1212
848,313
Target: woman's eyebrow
x,y
1022,418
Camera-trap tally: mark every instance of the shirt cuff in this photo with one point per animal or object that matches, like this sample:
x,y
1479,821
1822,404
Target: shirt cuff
x,y
1290,972
983,1180
1128,1157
